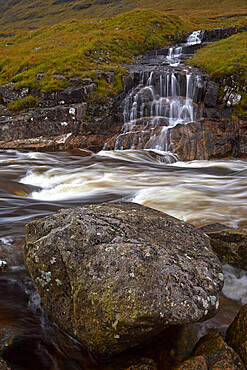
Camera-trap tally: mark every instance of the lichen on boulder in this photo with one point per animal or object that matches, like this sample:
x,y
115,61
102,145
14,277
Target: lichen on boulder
x,y
114,275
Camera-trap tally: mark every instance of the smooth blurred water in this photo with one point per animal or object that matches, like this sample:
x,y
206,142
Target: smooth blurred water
x,y
33,185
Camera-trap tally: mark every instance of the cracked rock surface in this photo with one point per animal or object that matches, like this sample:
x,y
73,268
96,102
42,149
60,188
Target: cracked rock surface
x,y
114,275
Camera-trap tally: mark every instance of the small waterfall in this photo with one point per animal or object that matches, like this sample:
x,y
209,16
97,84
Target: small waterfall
x,y
167,95
174,55
195,38
149,111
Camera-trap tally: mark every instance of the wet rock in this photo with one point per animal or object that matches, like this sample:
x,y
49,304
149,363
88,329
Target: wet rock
x,y
211,352
194,363
211,94
4,365
236,335
204,140
229,244
94,268
40,143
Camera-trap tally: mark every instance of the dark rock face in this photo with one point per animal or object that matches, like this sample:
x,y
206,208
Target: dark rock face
x,y
229,244
236,335
211,352
114,275
72,122
211,94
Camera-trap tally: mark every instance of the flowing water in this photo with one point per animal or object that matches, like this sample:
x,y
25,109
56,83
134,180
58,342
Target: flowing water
x,y
169,93
34,184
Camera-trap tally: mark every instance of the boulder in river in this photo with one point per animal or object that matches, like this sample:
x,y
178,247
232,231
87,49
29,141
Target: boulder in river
x,y
114,275
236,335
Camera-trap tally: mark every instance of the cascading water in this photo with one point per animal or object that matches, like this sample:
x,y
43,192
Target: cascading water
x,y
165,97
195,38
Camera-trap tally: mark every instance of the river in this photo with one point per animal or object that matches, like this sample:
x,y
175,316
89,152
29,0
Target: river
x,y
34,184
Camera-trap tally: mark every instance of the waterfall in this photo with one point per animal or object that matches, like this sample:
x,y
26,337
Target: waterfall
x,y
195,38
174,55
167,95
149,111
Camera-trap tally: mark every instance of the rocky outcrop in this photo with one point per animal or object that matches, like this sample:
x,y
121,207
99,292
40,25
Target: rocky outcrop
x,y
60,120
114,275
236,335
205,139
63,126
229,244
211,352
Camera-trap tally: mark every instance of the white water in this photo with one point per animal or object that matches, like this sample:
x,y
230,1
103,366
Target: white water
x,y
149,107
198,191
158,101
174,55
235,284
195,38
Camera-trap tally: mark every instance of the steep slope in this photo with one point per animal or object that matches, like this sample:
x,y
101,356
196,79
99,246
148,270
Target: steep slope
x,y
33,13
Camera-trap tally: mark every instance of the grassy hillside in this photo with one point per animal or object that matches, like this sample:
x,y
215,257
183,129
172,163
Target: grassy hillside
x,y
224,59
197,14
78,48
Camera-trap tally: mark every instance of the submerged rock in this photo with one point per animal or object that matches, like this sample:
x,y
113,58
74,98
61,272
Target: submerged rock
x,y
236,335
211,352
114,275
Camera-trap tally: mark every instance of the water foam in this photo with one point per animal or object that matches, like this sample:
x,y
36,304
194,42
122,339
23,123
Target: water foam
x,y
235,285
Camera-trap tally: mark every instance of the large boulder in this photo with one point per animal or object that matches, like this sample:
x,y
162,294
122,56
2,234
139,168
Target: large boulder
x,y
236,335
114,275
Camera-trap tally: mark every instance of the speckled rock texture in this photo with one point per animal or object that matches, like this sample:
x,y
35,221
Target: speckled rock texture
x,y
236,335
211,352
114,275
194,363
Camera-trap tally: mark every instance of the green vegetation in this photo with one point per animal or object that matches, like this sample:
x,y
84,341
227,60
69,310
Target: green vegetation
x,y
197,14
21,104
226,58
77,48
